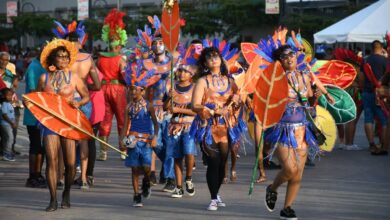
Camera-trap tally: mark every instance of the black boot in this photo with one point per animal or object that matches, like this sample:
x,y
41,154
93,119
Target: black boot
x,y
65,204
52,206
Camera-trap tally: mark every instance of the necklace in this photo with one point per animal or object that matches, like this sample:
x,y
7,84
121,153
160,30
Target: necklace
x,y
294,81
135,108
185,89
217,80
57,81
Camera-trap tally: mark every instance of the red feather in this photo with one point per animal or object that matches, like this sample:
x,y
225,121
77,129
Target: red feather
x,y
151,21
370,75
114,20
59,29
347,55
72,27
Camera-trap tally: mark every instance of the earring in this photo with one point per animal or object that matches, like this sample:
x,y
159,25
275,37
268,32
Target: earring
x,y
206,70
52,68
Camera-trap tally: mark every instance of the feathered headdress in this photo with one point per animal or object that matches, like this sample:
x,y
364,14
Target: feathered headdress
x,y
229,54
113,32
188,59
348,56
266,47
138,76
145,37
62,32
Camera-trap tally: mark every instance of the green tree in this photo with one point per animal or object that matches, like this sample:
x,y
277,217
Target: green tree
x,y
34,24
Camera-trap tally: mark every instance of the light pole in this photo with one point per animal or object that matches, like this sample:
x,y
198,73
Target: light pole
x,y
119,4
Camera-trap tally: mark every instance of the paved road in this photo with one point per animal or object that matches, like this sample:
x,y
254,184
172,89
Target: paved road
x,y
343,185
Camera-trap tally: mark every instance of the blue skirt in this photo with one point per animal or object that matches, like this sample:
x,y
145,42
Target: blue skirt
x,y
283,133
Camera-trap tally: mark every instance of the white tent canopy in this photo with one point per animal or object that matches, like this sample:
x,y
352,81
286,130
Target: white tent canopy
x,y
365,26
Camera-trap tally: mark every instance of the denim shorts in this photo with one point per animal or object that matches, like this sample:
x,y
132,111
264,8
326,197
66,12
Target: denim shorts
x,y
182,145
139,156
371,109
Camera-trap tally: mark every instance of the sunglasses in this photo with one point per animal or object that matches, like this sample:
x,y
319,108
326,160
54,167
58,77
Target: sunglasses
x,y
66,57
285,56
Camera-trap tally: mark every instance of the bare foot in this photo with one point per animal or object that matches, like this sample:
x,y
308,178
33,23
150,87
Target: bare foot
x,y
261,179
233,176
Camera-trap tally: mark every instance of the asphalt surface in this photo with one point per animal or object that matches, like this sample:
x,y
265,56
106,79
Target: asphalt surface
x,y
342,185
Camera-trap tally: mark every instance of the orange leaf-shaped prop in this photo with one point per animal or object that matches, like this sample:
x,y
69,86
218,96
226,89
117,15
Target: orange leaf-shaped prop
x,y
54,112
271,95
170,27
247,50
269,103
251,76
336,72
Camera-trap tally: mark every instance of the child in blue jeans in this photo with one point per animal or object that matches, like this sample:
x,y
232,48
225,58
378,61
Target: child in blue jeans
x,y
7,124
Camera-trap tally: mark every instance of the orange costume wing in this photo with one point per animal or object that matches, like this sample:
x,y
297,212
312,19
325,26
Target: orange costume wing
x,y
170,27
56,114
271,95
336,72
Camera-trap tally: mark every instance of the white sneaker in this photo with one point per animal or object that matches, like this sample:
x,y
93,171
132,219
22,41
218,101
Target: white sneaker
x,y
190,188
220,203
213,205
178,193
78,169
352,147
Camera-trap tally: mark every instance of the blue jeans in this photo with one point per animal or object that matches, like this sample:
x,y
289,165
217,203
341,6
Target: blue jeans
x,y
165,152
7,138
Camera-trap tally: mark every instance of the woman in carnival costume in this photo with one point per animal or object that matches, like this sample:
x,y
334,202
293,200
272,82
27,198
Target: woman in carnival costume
x,y
112,65
139,133
291,139
236,73
178,103
86,69
57,57
217,104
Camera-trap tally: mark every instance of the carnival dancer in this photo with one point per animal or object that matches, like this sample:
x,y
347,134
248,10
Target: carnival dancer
x,y
143,51
138,136
236,72
112,65
217,103
57,57
292,139
178,103
85,68
162,62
